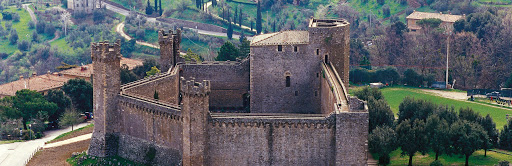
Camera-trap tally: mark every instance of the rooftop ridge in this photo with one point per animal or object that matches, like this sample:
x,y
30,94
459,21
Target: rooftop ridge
x,y
269,37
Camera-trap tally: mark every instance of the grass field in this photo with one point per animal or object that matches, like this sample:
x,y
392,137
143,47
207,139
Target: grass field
x,y
476,159
394,96
375,9
24,33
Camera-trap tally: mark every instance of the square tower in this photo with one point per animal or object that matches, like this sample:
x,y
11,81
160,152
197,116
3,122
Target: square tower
x,y
330,39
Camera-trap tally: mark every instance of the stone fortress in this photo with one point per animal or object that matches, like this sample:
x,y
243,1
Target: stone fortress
x,y
286,104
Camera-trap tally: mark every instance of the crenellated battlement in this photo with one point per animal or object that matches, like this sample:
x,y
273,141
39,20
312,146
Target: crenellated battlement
x,y
106,51
195,88
169,36
300,121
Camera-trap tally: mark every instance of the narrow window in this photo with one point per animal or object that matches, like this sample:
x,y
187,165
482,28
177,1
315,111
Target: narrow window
x,y
296,93
279,48
316,93
317,75
317,51
326,59
295,48
287,81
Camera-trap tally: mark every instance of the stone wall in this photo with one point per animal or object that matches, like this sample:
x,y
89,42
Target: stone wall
x,y
333,43
351,138
327,95
269,69
293,139
159,125
166,85
229,81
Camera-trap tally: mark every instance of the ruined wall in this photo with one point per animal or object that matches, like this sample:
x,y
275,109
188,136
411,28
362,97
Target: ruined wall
x,y
166,85
145,125
229,81
269,68
292,140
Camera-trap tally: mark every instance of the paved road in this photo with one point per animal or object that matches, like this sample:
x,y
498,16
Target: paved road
x,y
149,19
16,154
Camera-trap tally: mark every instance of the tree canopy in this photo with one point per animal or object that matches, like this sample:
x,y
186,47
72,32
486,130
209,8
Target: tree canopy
x,y
27,104
227,51
80,92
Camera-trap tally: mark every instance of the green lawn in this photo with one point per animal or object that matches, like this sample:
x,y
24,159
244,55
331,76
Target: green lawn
x,y
76,130
21,27
375,9
394,96
10,141
24,33
476,159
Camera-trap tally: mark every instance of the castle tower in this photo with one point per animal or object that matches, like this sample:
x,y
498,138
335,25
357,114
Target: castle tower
x,y
330,39
195,119
169,48
106,86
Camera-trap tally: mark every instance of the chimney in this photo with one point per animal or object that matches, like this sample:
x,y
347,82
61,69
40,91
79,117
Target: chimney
x,y
34,74
21,77
48,73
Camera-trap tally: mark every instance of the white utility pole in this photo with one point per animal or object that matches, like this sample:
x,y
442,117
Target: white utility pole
x,y
447,55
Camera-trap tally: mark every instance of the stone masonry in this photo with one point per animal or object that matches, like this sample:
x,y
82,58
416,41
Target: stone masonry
x,y
286,104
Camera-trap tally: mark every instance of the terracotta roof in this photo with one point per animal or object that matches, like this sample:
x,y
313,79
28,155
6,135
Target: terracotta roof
x,y
86,70
444,17
56,80
281,38
37,83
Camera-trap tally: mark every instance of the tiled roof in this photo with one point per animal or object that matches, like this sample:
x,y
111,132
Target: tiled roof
x,y
37,83
56,80
281,38
86,70
444,17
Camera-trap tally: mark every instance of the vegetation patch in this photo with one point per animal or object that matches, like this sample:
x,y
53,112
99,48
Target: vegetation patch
x,y
78,159
81,131
394,96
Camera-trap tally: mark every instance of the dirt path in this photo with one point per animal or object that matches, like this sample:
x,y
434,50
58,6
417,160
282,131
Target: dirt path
x,y
447,94
461,96
57,156
30,12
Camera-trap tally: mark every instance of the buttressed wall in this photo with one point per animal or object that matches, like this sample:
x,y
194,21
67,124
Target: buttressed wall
x,y
300,112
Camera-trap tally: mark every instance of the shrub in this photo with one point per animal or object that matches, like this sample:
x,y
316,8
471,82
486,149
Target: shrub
x,y
31,24
14,37
16,17
40,27
386,11
24,45
412,78
436,163
28,134
7,15
49,29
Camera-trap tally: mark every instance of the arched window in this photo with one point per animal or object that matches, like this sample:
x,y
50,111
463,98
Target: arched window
x,y
287,81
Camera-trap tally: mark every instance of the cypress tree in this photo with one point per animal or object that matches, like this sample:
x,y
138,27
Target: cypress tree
x,y
214,3
258,19
240,18
149,9
156,6
161,11
230,28
234,16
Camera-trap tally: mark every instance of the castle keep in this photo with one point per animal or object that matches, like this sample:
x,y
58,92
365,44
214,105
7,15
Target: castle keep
x,y
286,104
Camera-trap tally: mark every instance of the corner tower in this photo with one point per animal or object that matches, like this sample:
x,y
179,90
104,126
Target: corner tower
x,y
106,59
169,48
195,120
330,39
